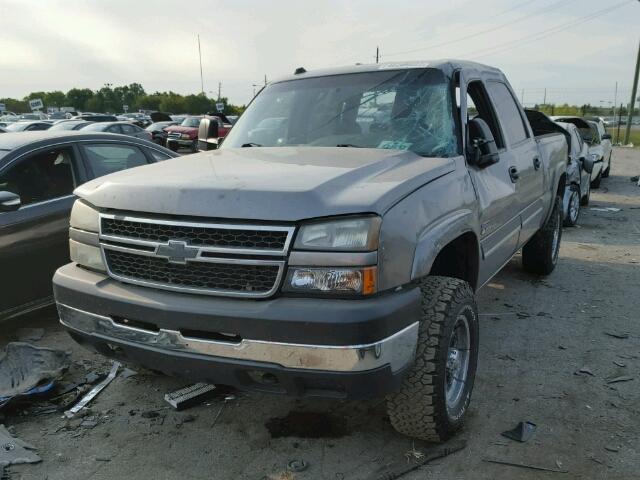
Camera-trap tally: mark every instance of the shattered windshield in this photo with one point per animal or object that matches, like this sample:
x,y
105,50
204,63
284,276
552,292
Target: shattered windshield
x,y
407,109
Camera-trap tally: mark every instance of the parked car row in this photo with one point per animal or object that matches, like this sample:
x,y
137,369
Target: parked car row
x,y
38,174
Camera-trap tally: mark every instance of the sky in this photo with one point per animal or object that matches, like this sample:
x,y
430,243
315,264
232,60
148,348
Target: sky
x,y
576,49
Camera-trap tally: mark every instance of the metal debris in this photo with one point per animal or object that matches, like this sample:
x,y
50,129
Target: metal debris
x,y
13,450
396,469
191,395
525,465
522,432
605,209
93,392
586,371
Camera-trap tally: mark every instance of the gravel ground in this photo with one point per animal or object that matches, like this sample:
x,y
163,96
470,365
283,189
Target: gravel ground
x,y
535,336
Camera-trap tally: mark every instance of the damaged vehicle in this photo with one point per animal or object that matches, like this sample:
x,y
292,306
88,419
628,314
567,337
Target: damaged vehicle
x,y
332,255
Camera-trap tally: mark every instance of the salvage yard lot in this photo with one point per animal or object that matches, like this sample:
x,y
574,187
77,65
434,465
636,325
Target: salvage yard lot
x,y
548,352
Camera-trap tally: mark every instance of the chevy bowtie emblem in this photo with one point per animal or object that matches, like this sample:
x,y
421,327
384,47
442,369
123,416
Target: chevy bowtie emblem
x,y
177,251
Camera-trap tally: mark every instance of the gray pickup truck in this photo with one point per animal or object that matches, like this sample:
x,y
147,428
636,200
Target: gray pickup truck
x,y
333,251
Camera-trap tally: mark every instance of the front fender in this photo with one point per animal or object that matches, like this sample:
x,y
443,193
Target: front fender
x,y
434,238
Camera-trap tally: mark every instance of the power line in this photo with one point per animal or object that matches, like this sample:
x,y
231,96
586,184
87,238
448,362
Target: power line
x,y
485,31
545,33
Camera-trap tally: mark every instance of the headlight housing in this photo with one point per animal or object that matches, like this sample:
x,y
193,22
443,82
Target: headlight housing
x,y
83,217
355,234
85,220
595,157
332,280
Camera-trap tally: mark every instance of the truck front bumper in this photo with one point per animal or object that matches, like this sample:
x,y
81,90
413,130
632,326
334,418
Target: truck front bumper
x,y
300,346
182,142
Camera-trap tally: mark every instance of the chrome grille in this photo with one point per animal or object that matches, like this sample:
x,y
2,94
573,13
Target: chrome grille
x,y
195,257
174,135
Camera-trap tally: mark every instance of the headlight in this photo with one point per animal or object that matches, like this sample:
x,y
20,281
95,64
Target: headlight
x,y
185,136
595,157
340,281
83,217
86,255
349,234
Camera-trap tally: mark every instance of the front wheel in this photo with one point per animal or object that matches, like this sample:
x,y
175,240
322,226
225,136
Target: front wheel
x,y
573,208
434,397
595,183
540,254
584,201
607,170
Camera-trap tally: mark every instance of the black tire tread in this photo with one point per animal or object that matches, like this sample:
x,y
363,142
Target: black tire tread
x,y
535,254
415,410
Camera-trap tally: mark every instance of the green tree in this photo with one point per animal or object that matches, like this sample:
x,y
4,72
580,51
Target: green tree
x,y
78,97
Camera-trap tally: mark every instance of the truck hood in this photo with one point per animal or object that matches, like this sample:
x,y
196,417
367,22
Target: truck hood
x,y
280,184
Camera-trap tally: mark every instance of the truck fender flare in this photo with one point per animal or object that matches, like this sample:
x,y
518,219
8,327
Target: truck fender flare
x,y
435,237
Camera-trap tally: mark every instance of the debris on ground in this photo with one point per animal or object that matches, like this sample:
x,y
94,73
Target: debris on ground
x,y
396,469
621,336
521,432
623,378
93,392
605,209
29,334
635,178
13,450
127,372
525,465
192,395
27,370
297,465
586,371
609,448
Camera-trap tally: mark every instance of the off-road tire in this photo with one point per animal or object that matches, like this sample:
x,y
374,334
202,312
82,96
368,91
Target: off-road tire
x,y
607,171
419,408
595,183
575,197
540,254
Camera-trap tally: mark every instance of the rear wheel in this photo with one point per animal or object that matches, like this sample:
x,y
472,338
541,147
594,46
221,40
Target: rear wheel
x,y
433,400
605,174
573,209
584,201
540,254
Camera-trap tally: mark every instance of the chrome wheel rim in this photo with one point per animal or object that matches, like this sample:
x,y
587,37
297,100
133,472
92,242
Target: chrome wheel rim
x,y
574,206
457,367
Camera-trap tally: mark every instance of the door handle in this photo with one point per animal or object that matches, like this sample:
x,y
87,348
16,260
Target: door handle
x,y
513,173
536,163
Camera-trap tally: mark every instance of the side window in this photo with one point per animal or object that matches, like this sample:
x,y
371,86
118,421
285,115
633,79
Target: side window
x,y
104,159
127,129
114,129
508,112
42,176
158,156
478,105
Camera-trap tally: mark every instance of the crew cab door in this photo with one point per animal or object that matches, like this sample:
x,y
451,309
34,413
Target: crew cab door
x,y
34,238
524,156
497,204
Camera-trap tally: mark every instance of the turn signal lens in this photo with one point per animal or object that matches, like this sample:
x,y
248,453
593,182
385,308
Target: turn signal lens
x,y
358,281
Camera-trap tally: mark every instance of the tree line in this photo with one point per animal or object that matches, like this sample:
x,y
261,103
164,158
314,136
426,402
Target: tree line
x,y
110,99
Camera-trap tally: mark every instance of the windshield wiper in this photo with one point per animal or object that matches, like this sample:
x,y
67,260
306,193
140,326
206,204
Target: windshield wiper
x,y
250,144
348,145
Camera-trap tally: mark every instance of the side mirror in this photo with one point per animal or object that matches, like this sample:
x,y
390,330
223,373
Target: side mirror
x,y
208,134
483,150
587,163
9,201
606,136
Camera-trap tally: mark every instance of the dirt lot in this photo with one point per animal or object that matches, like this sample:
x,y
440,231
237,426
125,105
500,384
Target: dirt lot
x,y
535,336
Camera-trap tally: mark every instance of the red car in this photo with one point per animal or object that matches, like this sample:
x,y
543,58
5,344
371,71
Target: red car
x,y
186,134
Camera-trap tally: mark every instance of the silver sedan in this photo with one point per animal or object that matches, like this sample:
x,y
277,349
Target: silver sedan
x,y
123,128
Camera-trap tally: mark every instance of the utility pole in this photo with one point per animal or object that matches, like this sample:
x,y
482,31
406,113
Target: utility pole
x,y
265,79
200,56
377,54
219,90
615,100
634,90
619,122
544,102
